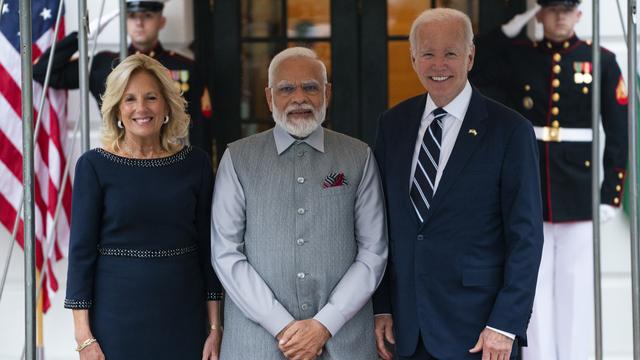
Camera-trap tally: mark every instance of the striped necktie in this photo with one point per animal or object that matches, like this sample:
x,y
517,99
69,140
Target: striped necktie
x,y
424,177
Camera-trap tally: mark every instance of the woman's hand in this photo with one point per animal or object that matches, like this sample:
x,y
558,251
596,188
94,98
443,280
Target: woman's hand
x,y
211,350
92,352
83,334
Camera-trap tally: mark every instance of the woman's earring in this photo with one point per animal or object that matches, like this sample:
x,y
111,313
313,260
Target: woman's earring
x,y
120,124
166,119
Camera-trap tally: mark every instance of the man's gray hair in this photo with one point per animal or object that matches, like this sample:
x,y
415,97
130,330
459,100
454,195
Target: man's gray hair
x,y
441,15
294,52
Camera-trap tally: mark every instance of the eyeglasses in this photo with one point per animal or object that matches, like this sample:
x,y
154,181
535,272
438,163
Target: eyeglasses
x,y
286,89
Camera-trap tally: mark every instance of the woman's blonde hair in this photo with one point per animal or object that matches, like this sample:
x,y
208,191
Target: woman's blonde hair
x,y
173,133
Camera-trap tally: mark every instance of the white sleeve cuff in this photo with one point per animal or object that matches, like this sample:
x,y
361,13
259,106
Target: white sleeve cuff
x,y
331,318
507,334
277,320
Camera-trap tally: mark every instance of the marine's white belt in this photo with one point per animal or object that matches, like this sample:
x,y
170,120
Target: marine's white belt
x,y
552,134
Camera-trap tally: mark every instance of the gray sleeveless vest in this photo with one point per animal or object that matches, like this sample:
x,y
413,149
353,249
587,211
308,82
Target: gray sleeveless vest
x,y
300,238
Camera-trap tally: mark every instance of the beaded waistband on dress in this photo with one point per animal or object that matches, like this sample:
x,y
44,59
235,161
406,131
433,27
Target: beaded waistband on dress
x,y
146,253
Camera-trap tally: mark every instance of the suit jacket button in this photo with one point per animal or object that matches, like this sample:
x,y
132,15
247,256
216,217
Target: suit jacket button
x,y
420,237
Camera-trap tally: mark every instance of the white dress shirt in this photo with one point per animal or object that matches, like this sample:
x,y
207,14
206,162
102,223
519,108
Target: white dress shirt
x,y
451,124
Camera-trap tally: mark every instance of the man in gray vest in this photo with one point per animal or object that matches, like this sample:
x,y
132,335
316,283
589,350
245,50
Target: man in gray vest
x,y
299,236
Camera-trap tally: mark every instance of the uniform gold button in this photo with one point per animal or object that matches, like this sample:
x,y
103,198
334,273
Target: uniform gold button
x,y
527,87
527,102
620,175
556,69
555,97
618,188
557,57
555,124
549,45
555,83
585,90
565,44
555,111
616,200
587,163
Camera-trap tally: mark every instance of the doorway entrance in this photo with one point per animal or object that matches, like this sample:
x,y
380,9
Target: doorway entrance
x,y
364,44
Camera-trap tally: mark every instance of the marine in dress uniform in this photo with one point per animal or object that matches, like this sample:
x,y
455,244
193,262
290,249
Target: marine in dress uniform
x,y
64,74
550,83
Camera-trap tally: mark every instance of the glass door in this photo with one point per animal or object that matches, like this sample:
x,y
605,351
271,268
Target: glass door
x,y
268,27
403,83
364,44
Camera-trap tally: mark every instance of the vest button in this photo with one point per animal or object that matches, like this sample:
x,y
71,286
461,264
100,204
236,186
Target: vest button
x,y
304,306
300,180
301,211
301,275
300,153
420,237
300,241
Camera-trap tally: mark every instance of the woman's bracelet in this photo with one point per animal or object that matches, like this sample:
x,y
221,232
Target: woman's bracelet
x,y
214,327
85,343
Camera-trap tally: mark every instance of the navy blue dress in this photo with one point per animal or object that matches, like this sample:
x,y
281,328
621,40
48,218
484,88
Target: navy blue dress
x,y
139,254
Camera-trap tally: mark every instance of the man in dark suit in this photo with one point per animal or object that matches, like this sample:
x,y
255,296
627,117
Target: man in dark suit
x,y
460,174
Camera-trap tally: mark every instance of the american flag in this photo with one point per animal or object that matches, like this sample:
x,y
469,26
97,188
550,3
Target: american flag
x,y
49,157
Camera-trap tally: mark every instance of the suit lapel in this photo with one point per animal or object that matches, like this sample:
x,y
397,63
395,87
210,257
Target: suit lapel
x,y
409,135
471,133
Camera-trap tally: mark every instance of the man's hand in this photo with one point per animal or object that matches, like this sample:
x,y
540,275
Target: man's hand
x,y
384,331
494,346
607,212
515,25
279,336
97,25
303,340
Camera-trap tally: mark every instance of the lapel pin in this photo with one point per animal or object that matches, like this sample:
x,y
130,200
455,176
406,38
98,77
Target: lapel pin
x,y
473,132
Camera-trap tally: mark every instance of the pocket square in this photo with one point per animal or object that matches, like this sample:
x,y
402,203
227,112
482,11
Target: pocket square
x,y
334,180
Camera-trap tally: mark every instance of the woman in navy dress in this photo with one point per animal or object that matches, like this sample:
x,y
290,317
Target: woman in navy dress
x,y
140,280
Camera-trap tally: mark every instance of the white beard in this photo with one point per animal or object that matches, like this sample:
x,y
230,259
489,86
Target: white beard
x,y
300,128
